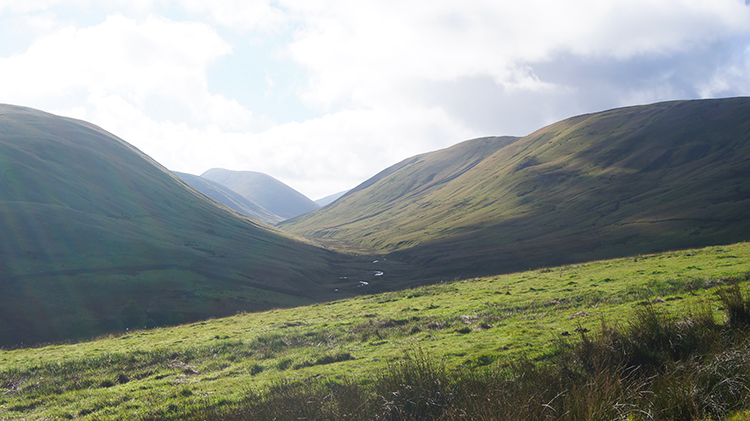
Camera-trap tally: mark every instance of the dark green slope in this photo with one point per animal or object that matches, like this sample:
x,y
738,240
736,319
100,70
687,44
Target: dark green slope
x,y
621,182
96,236
229,198
264,190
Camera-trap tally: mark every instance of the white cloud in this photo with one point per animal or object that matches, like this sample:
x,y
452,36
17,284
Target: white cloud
x,y
732,76
45,22
323,155
240,15
387,78
157,65
368,51
29,6
318,156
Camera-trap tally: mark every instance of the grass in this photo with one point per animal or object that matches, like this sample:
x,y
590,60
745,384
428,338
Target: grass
x,y
422,352
626,372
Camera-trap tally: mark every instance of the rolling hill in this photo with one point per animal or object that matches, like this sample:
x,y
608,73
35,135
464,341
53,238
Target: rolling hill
x,y
229,198
621,182
264,190
96,236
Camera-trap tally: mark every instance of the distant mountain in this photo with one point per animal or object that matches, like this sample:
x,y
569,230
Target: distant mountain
x,y
264,190
615,183
330,199
229,198
95,236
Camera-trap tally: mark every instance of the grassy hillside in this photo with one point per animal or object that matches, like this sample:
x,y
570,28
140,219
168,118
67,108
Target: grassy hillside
x,y
96,237
625,181
229,198
411,354
386,204
264,190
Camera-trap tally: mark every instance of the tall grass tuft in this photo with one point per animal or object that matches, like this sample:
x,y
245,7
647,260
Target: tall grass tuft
x,y
415,388
737,308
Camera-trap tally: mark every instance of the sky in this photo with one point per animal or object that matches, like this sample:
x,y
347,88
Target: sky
x,y
324,94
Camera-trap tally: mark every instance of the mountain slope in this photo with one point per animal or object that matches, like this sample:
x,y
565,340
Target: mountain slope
x,y
378,212
229,198
96,236
264,190
620,182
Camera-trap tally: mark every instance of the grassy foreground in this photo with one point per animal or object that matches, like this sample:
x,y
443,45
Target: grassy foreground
x,y
656,348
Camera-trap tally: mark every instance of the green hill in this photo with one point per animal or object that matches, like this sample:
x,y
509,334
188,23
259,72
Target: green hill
x,y
616,183
95,236
229,198
264,190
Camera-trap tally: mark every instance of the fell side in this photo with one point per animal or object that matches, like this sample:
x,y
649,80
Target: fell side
x,y
632,180
97,237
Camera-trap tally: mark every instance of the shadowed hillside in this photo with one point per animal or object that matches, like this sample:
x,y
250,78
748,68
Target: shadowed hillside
x,y
96,236
620,182
229,198
264,190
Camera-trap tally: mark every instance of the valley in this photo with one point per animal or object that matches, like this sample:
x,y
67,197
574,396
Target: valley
x,y
81,208
132,292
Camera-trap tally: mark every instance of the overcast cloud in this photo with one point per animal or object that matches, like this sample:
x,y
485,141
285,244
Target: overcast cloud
x,y
324,94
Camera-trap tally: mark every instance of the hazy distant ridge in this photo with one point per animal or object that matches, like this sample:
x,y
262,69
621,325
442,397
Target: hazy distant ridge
x,y
330,198
229,198
264,190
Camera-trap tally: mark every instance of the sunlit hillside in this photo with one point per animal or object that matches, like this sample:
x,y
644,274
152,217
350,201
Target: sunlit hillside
x,y
620,182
